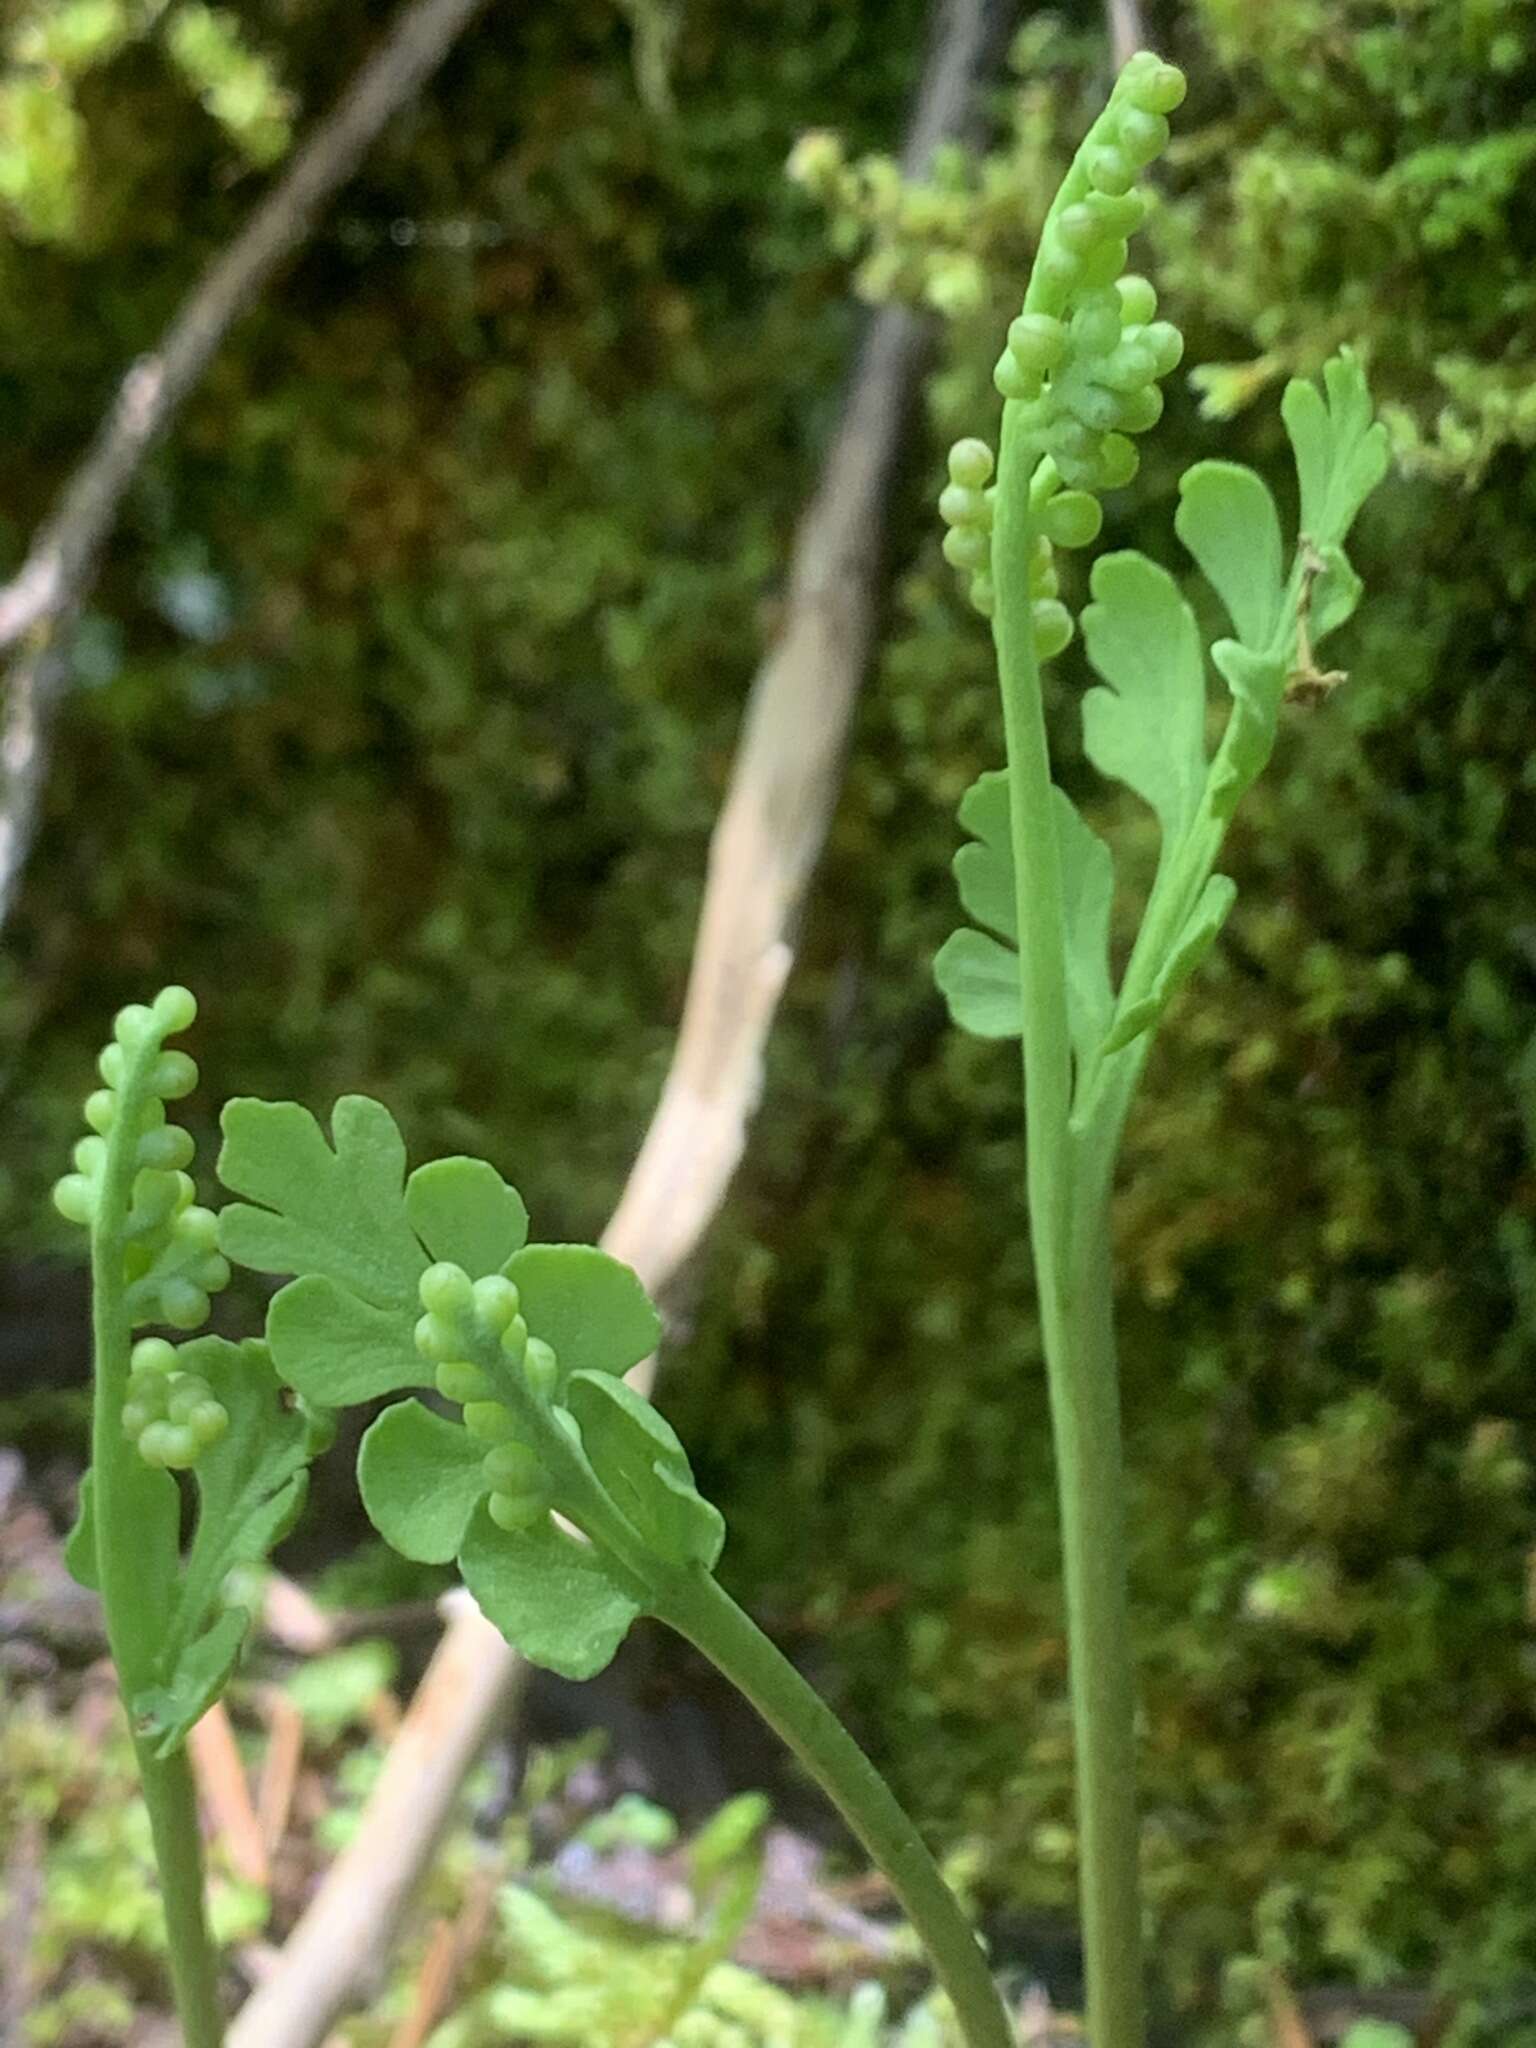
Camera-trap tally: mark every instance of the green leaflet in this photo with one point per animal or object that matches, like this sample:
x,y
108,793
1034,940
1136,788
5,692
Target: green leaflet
x,y
250,1488
978,976
347,1224
1257,683
1227,520
337,1349
979,980
1191,947
1147,729
462,1210
250,1484
1088,889
1335,593
340,1214
555,1599
421,1477
80,1544
1342,453
983,868
166,1714
589,1308
644,1468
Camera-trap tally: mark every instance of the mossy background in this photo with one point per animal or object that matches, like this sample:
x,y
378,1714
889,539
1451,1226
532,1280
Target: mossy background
x,y
407,700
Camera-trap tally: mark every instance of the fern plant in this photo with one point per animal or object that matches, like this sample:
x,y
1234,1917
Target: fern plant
x,y
1078,377
564,1497
207,1406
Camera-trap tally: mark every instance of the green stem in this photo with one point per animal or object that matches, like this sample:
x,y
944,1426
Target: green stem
x,y
697,1607
137,1514
172,1801
690,1600
1069,1231
1067,1175
1077,1314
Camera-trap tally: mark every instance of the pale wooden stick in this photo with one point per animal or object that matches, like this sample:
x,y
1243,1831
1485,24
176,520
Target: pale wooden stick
x,y
766,841
1126,34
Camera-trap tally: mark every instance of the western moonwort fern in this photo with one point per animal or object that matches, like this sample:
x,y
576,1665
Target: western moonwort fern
x,y
564,1496
209,1406
1078,376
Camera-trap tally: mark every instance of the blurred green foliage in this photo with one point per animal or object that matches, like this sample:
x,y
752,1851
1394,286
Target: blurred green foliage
x,y
80,1889
405,708
58,61
79,1879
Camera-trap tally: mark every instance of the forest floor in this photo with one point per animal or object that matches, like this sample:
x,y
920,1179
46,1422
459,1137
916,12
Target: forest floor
x,y
566,1905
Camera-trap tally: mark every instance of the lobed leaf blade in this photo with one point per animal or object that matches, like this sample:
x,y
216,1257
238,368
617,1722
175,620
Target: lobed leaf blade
x,y
983,868
640,1462
166,1714
462,1210
337,1213
1088,891
337,1349
250,1484
591,1309
979,979
1188,950
1145,725
421,1477
978,975
80,1543
1228,522
555,1599
1341,449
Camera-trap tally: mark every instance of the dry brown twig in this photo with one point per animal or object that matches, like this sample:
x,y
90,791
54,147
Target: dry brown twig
x,y
280,1765
40,606
765,844
450,1950
225,1795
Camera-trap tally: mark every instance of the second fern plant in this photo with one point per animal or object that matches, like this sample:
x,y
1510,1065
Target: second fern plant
x,y
1079,377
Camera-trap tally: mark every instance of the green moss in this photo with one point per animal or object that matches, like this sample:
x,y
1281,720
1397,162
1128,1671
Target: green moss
x,y
487,539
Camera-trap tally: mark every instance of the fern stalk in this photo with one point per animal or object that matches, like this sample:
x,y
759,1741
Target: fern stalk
x,y
1069,1235
1079,375
136,1514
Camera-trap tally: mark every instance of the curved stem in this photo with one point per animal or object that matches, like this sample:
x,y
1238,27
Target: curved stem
x,y
698,1608
137,1517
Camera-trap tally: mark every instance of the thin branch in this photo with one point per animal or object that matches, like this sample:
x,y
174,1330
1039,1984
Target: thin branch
x,y
766,842
40,605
